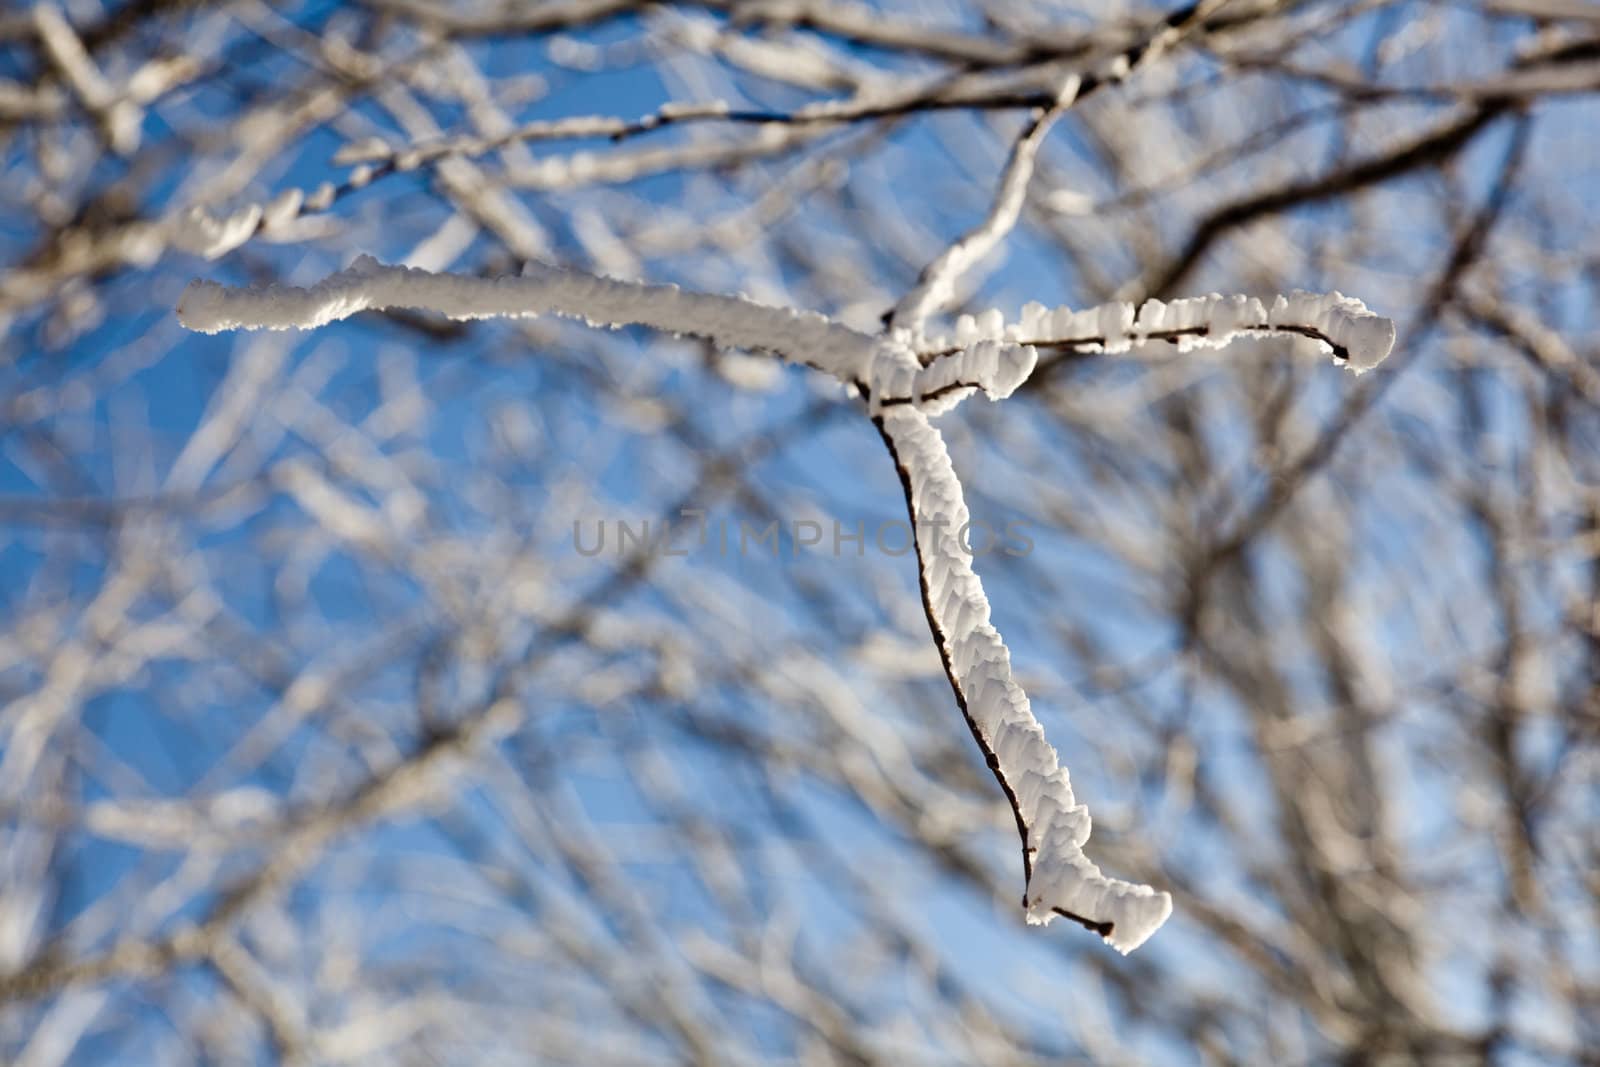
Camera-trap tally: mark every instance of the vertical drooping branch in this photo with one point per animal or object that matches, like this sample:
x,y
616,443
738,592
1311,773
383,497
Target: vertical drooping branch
x,y
1060,879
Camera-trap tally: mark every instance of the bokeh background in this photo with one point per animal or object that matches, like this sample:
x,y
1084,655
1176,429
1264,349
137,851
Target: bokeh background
x,y
321,742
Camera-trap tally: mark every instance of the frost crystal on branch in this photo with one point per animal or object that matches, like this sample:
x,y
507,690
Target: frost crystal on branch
x,y
907,378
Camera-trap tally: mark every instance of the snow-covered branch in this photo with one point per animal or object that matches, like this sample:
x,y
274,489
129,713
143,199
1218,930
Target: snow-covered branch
x,y
907,379
936,287
1344,326
1060,879
368,285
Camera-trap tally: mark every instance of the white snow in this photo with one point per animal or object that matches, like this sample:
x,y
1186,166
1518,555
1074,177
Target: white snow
x,y
1343,320
321,197
994,367
282,209
200,232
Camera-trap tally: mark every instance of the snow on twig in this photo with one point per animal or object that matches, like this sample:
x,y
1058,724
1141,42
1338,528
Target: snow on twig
x,y
994,368
936,286
907,378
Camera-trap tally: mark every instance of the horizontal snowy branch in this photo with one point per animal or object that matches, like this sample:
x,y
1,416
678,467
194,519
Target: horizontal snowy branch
x,y
731,321
1342,325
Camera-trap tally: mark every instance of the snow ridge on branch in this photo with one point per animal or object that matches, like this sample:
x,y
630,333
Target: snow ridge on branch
x,y
906,378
